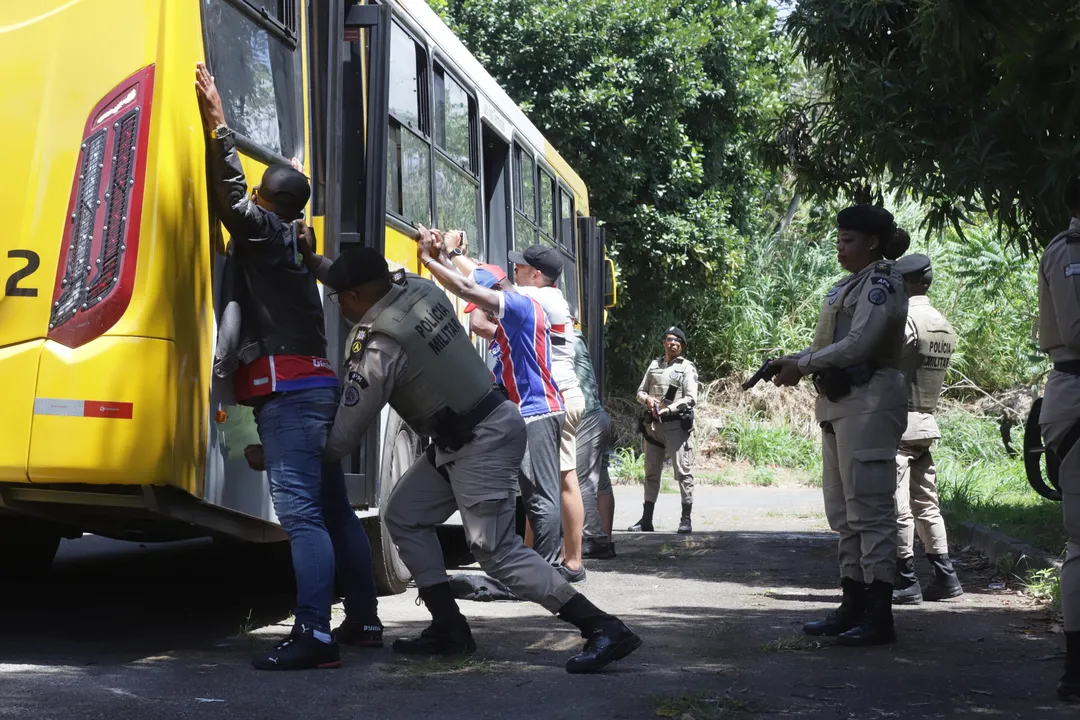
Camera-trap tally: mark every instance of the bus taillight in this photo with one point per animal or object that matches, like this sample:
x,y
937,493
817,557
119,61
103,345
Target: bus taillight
x,y
98,253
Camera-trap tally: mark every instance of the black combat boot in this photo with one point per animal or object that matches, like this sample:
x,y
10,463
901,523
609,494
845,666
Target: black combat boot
x,y
1069,686
907,590
645,523
684,522
845,617
607,639
945,584
876,625
448,633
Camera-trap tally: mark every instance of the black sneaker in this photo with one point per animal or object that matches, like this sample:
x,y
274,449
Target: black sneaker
x,y
300,651
573,576
597,549
360,634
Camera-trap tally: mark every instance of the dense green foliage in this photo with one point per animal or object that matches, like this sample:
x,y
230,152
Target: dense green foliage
x,y
660,107
969,106
984,287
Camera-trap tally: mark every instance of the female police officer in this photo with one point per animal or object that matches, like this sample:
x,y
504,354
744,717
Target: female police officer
x,y
862,408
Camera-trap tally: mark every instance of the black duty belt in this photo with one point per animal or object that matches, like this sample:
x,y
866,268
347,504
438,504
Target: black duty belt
x,y
456,430
1069,367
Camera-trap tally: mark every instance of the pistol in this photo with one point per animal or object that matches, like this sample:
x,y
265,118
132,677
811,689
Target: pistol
x,y
767,371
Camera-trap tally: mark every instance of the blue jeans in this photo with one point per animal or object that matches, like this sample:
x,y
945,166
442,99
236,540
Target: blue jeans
x,y
313,507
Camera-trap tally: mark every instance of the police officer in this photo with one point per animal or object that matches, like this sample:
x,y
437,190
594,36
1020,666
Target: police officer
x,y
1059,336
669,391
862,408
929,341
409,350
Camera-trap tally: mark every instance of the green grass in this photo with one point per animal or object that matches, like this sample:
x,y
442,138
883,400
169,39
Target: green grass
x,y
978,482
1045,585
700,706
762,477
627,465
762,443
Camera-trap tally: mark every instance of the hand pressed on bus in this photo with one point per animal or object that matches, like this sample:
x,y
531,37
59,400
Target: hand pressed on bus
x,y
254,455
209,100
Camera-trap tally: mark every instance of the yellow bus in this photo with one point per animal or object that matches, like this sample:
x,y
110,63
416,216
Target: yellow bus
x,y
114,423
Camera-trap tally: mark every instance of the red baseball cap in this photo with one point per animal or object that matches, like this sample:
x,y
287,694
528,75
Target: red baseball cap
x,y
488,276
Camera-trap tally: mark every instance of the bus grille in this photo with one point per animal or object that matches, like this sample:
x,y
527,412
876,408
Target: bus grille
x,y
73,290
123,162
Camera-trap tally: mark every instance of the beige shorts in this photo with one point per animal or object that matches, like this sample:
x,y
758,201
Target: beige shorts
x,y
575,408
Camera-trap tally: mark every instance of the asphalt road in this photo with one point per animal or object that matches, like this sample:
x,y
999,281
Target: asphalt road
x,y
123,631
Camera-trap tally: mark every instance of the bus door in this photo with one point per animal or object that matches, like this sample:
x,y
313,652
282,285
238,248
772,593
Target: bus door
x,y
357,118
594,291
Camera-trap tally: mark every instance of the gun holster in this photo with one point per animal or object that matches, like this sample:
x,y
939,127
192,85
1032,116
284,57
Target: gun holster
x,y
836,383
686,420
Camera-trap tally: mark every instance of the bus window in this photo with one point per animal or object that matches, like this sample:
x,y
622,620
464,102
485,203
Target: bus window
x,y
547,204
524,233
257,68
524,183
566,222
408,152
457,190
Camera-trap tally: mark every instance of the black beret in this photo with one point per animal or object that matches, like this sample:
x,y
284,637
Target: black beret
x,y
869,219
677,332
356,267
913,263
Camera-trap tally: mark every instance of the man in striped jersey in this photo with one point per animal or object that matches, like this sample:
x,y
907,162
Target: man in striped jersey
x,y
536,272
521,347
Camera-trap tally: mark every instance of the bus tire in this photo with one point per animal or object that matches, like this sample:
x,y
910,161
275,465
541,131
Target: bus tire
x,y
400,450
27,548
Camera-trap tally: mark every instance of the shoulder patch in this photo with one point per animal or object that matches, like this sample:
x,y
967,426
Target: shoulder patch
x,y
355,378
351,396
876,296
359,342
883,281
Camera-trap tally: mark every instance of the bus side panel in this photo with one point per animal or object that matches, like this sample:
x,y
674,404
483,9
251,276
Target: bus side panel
x,y
18,370
109,423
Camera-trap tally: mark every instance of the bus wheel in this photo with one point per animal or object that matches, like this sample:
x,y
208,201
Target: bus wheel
x,y
27,548
399,453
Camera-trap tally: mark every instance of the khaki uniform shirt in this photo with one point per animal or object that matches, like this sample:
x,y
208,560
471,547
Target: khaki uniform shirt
x,y
661,375
869,326
370,379
1059,325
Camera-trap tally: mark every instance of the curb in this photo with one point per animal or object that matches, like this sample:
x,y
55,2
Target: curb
x,y
1010,554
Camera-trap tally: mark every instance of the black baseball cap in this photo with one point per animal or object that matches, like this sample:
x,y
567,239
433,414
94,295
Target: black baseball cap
x,y
286,188
356,267
545,259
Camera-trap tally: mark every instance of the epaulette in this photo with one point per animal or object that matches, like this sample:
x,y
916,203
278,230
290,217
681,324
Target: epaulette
x,y
883,268
1072,236
397,277
679,359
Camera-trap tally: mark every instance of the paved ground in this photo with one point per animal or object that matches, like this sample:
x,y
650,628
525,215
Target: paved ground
x,y
126,632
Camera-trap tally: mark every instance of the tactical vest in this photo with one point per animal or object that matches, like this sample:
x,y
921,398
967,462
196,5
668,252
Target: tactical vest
x,y
937,340
825,332
1057,258
445,375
